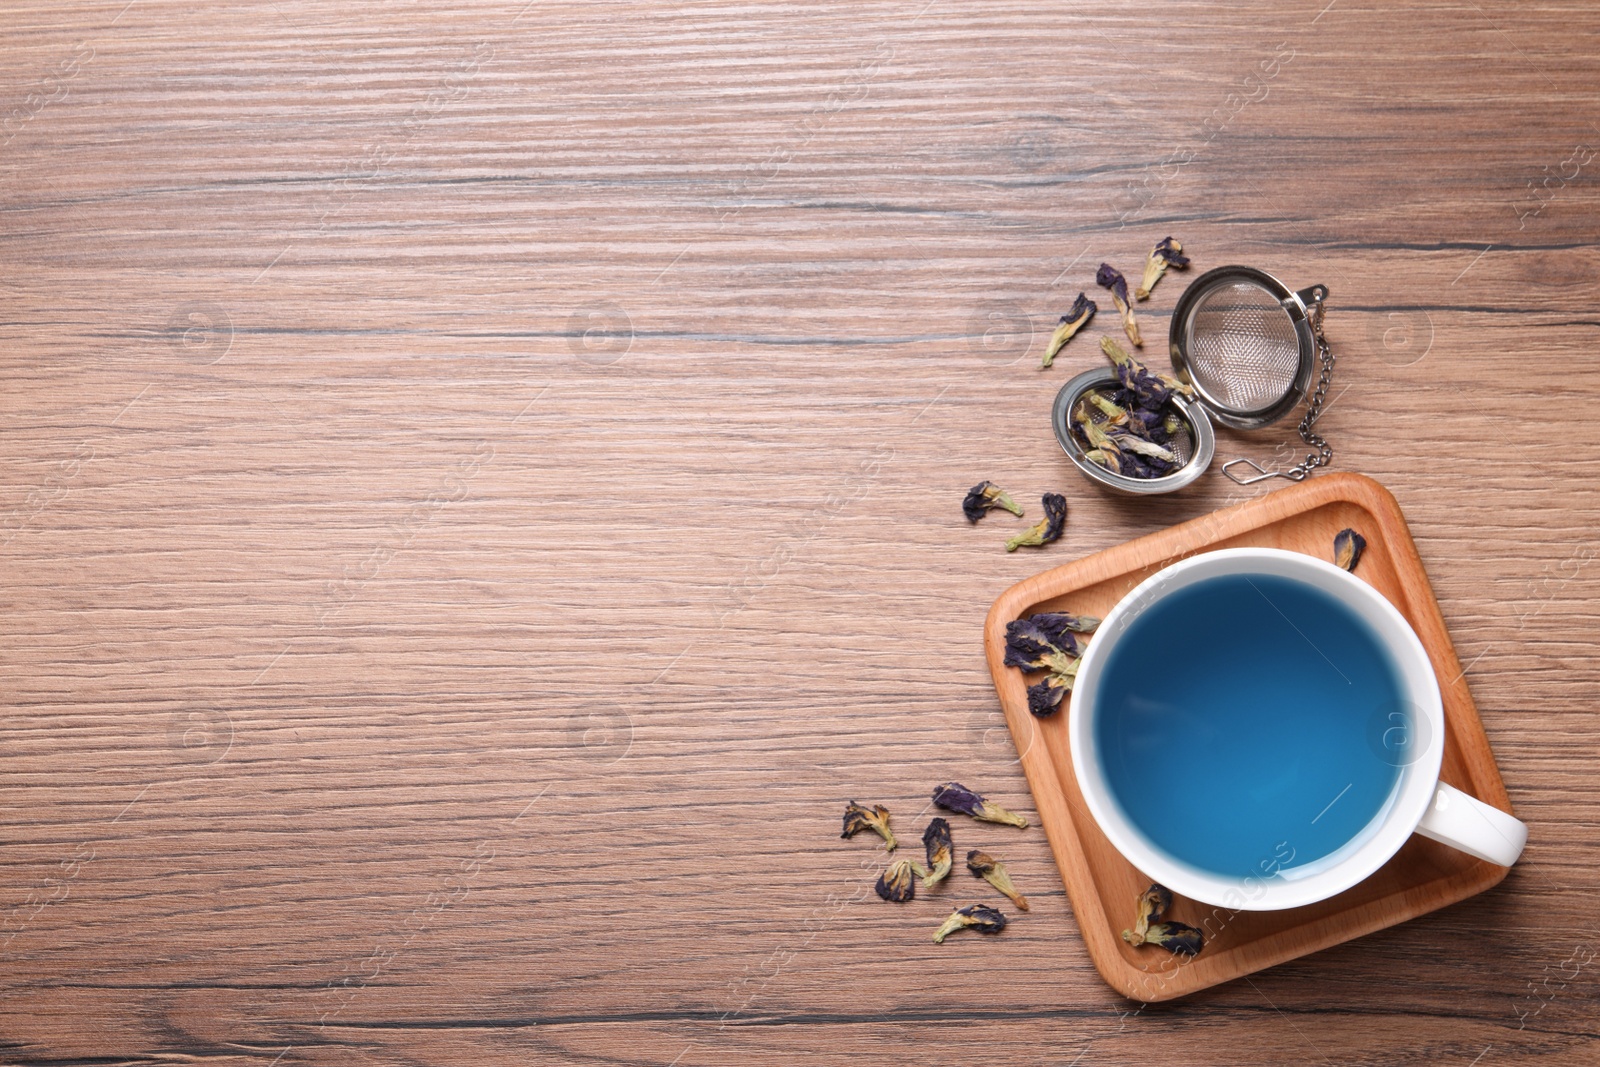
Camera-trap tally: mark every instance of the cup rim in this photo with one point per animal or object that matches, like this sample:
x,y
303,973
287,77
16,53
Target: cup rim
x,y
1367,851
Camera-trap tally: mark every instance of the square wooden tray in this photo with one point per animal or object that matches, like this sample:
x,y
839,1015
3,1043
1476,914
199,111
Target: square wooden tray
x,y
1103,886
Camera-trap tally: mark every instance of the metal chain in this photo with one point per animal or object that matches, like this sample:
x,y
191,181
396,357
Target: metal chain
x,y
1324,451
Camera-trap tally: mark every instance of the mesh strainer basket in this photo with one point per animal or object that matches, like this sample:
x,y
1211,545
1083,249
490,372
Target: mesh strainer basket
x,y
1247,343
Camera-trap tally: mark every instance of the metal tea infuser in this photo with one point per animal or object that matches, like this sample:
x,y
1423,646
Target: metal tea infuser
x,y
1250,348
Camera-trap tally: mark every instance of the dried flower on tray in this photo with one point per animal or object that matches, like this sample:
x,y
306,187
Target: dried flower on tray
x,y
1177,938
1347,548
1150,929
858,817
953,796
1153,904
1046,529
980,917
1077,318
1059,626
896,884
982,865
1030,646
936,842
1044,698
1112,279
986,495
1164,255
1045,642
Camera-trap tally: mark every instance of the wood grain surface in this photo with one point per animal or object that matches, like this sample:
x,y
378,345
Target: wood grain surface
x,y
481,489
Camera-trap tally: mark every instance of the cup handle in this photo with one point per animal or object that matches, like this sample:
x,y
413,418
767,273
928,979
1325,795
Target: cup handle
x,y
1468,824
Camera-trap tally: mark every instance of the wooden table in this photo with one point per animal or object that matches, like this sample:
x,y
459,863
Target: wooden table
x,y
481,490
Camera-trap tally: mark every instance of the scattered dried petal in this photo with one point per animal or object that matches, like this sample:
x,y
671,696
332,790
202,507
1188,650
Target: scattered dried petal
x,y
1112,279
1347,548
1046,529
896,884
953,796
982,865
986,495
858,817
980,917
1164,255
1077,318
936,842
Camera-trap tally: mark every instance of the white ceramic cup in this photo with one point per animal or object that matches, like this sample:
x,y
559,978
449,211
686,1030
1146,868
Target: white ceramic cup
x,y
1419,802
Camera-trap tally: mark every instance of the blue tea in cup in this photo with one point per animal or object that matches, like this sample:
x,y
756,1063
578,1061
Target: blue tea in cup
x,y
1258,729
1234,721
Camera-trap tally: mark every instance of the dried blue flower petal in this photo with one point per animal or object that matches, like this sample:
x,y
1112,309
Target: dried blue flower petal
x,y
1347,548
1128,442
1045,697
1135,376
1046,529
982,865
1109,458
858,817
1097,436
1030,647
1153,905
1059,626
1149,928
980,917
1177,938
953,796
983,496
936,843
1164,255
1112,279
896,884
1145,422
1077,318
1026,647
